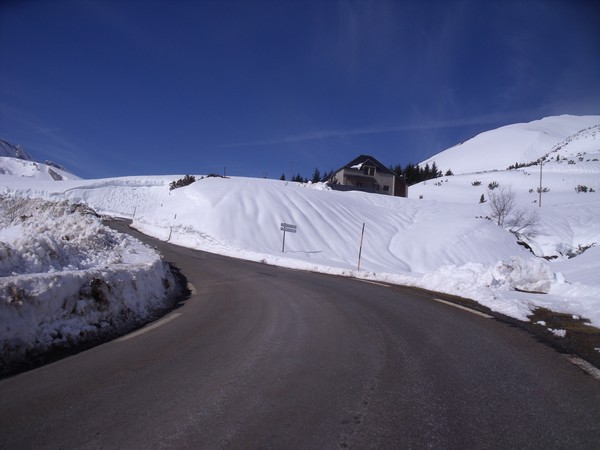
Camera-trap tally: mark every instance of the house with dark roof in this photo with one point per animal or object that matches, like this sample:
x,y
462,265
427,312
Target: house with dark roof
x,y
366,174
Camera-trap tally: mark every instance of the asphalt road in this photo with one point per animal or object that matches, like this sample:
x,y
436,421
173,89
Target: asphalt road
x,y
264,357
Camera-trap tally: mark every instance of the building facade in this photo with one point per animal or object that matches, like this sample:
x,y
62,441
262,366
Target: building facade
x,y
366,174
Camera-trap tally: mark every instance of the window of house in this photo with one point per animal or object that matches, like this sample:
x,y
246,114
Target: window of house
x,y
369,170
386,188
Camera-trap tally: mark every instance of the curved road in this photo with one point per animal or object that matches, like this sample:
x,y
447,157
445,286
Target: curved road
x,y
264,357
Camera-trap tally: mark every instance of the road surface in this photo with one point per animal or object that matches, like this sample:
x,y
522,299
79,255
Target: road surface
x,y
264,357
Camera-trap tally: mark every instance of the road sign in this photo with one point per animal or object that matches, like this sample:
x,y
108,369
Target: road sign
x,y
290,228
286,227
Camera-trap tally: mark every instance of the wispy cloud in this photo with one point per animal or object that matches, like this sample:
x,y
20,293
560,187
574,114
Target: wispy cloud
x,y
34,134
375,130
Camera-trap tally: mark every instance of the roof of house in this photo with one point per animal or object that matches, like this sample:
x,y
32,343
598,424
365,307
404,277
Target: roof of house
x,y
368,160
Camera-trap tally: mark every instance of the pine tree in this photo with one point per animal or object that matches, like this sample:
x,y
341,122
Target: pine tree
x,y
316,176
426,172
435,171
282,177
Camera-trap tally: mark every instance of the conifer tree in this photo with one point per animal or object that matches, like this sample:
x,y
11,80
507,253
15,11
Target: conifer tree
x,y
316,176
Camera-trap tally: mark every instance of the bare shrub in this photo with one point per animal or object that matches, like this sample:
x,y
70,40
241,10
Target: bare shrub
x,y
520,222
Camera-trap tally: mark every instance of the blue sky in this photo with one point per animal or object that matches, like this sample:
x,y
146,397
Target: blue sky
x,y
111,88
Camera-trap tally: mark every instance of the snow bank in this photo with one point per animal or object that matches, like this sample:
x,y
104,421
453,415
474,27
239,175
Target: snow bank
x,y
66,278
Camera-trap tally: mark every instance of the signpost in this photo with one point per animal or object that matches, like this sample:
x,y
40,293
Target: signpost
x,y
290,228
362,234
540,189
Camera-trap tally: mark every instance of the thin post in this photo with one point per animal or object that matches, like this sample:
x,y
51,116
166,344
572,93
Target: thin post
x,y
361,243
283,245
540,200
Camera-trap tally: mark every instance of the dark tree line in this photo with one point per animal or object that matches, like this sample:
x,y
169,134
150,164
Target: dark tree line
x,y
413,173
298,178
316,177
185,181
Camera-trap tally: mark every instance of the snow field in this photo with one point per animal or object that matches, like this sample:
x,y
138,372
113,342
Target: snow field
x,y
434,245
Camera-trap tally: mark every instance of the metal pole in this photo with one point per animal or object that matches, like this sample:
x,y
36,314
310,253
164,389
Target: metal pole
x,y
283,245
540,200
361,243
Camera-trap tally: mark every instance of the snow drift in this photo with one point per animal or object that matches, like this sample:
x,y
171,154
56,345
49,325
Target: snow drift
x,y
65,278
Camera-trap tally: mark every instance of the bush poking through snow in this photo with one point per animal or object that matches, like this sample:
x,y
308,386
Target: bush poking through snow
x,y
185,181
520,222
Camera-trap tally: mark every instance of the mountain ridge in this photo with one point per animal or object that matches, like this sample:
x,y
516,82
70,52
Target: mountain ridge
x,y
519,143
16,161
13,151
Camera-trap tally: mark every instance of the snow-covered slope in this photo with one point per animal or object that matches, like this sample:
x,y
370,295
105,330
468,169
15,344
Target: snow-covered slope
x,y
570,205
518,143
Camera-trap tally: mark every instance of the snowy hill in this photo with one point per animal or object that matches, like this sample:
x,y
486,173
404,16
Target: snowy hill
x,y
15,161
519,143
